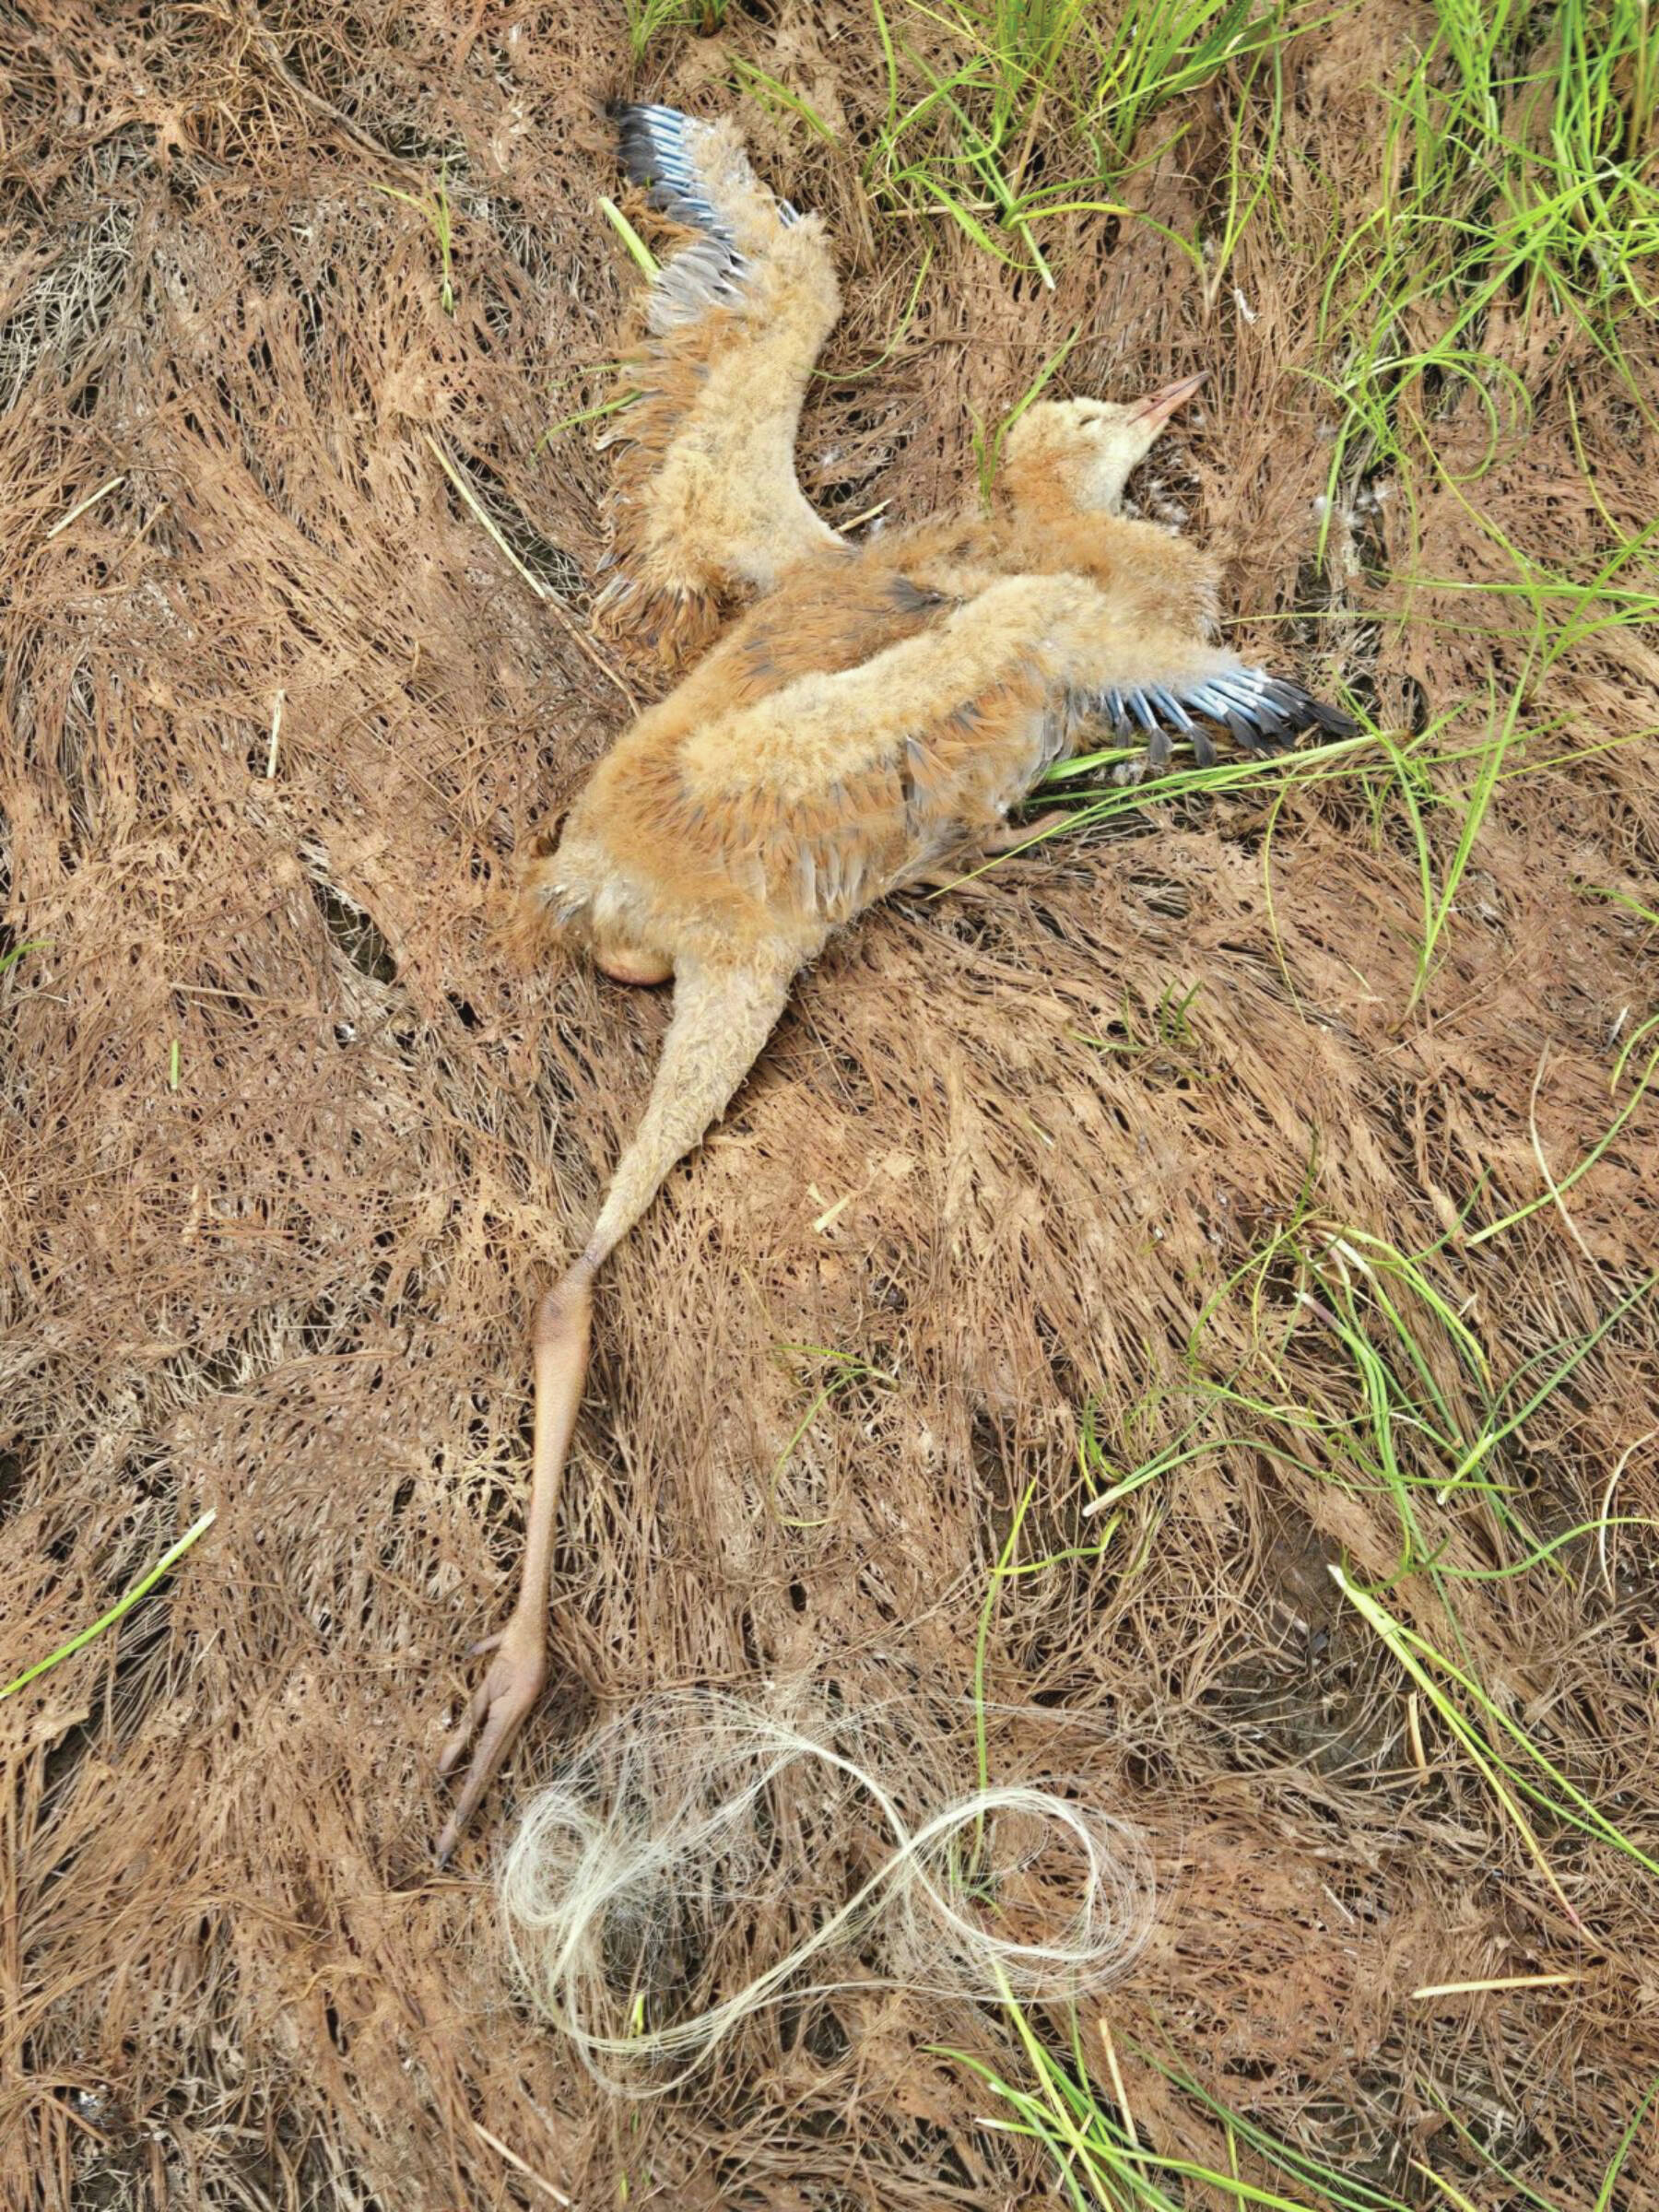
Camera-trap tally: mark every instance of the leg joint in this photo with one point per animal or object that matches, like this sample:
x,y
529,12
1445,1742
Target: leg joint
x,y
561,1312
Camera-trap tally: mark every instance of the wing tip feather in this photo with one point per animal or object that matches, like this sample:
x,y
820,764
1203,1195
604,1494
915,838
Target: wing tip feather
x,y
1263,713
658,147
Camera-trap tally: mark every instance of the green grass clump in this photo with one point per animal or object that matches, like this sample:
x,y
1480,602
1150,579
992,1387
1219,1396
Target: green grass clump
x,y
1409,1412
1510,1762
649,19
1069,80
1441,784
1101,2161
1518,175
1412,1408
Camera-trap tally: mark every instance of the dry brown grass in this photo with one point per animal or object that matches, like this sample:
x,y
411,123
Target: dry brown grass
x,y
294,1286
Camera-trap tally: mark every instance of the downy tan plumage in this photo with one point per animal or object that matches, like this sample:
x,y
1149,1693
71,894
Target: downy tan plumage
x,y
868,722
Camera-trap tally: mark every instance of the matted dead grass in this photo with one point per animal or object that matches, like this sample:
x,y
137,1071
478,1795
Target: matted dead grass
x,y
289,1146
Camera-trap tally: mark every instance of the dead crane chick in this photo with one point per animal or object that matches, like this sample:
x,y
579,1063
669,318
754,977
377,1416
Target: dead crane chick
x,y
875,713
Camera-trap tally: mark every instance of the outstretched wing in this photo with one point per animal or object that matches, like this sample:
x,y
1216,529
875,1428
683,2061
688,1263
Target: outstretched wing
x,y
707,504
843,784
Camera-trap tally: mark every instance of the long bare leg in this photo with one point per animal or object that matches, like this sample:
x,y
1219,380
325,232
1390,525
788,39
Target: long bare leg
x,y
720,1022
519,1669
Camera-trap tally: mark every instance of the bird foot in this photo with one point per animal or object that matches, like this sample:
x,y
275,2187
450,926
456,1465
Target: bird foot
x,y
1013,836
498,1709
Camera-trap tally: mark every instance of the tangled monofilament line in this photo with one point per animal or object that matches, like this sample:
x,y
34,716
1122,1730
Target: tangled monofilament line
x,y
696,1815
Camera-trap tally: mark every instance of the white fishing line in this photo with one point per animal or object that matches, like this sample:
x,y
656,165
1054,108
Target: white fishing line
x,y
697,1825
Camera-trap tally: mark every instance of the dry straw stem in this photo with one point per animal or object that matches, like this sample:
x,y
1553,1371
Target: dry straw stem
x,y
295,1289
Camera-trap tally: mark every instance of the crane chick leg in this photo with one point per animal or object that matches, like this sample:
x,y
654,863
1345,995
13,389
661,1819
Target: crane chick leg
x,y
722,1018
519,1668
1014,837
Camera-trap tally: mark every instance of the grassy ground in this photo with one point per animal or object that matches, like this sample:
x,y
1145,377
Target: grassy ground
x,y
1183,1301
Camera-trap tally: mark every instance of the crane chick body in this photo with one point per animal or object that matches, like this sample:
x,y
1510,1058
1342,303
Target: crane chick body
x,y
760,806
871,720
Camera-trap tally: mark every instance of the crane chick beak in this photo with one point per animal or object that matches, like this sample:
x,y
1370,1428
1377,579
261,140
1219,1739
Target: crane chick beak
x,y
1157,410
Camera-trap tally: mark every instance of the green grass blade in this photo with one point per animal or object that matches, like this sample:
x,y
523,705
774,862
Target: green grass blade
x,y
118,1611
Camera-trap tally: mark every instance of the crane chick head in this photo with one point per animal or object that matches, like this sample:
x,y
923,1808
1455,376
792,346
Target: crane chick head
x,y
1081,450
